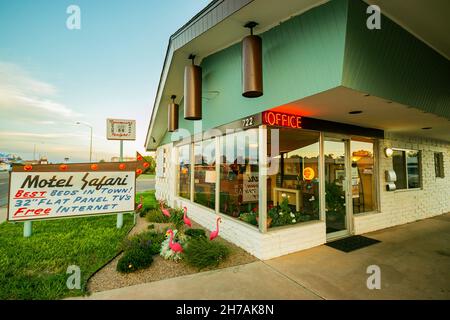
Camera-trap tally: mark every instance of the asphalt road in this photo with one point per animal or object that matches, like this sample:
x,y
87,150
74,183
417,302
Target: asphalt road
x,y
141,185
4,179
145,184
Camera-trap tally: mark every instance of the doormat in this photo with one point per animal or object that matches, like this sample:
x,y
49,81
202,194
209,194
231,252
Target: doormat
x,y
352,243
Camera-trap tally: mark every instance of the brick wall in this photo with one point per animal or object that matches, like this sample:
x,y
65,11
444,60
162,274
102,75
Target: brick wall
x,y
404,206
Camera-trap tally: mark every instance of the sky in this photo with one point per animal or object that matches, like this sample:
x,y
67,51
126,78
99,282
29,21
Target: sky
x,y
52,76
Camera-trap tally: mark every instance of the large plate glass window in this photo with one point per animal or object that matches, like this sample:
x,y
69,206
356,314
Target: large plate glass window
x,y
363,175
293,176
205,173
184,171
239,168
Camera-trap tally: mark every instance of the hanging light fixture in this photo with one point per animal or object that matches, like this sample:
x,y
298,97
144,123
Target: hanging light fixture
x,y
172,115
252,76
192,91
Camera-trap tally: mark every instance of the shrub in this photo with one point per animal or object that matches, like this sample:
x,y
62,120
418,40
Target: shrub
x,y
151,226
195,233
142,213
156,216
201,253
149,240
176,218
134,259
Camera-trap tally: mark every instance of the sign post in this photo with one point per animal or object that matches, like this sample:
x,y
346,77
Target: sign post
x,y
120,129
27,228
119,222
53,191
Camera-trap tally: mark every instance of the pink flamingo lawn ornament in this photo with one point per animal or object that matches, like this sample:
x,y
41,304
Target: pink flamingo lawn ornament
x,y
140,204
215,233
165,211
174,246
186,220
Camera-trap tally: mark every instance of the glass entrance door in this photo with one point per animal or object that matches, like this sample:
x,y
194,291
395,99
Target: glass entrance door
x,y
336,187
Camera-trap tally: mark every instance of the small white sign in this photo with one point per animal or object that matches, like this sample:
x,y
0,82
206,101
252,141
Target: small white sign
x,y
120,129
250,187
48,195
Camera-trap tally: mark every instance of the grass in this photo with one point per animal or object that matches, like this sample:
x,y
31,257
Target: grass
x,y
35,267
149,200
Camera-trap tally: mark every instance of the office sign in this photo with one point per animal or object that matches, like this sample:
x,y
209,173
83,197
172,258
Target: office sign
x,y
120,129
68,190
279,119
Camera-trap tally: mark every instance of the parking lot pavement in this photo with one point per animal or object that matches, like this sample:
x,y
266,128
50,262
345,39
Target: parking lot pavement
x,y
4,184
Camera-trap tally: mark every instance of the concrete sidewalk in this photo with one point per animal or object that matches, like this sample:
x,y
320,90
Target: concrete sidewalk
x,y
414,260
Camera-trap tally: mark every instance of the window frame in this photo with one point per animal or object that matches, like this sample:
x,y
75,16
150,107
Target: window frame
x,y
419,164
439,169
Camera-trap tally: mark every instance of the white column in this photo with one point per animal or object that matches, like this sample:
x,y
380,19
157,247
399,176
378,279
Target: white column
x,y
262,178
192,156
218,153
322,178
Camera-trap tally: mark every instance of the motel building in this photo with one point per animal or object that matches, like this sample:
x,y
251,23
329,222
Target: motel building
x,y
299,122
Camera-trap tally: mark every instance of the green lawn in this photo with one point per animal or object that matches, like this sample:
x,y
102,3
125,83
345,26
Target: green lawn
x,y
149,199
35,267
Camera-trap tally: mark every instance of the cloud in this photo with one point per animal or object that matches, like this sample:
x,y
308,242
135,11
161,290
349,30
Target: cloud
x,y
23,97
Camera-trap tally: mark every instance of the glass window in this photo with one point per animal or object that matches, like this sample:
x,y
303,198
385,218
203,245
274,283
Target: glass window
x,y
407,168
239,187
205,173
439,164
184,171
363,176
293,180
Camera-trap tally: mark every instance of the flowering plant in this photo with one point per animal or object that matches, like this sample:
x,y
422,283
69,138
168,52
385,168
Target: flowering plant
x,y
166,252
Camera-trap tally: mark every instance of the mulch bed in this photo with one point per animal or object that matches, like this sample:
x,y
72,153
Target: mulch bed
x,y
108,278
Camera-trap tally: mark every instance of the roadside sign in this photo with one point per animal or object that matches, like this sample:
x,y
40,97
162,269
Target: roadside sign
x,y
120,129
68,190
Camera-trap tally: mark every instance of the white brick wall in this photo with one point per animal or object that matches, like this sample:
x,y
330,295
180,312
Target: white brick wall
x,y
404,206
396,207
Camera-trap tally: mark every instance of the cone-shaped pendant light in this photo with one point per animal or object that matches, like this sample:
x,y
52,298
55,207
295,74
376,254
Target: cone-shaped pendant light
x,y
252,74
172,116
192,91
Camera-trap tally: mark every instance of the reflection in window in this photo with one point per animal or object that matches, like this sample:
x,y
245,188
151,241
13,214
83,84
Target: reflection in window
x,y
363,176
406,167
239,175
293,186
184,171
205,173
